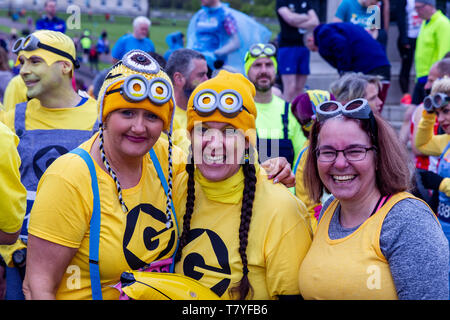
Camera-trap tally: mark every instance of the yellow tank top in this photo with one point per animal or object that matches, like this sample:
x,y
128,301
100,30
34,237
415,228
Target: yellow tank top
x,y
350,268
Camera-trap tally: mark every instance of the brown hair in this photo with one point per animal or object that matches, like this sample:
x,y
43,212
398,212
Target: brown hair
x,y
392,169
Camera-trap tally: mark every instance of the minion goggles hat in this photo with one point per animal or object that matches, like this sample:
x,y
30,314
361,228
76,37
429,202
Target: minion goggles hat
x,y
260,50
138,82
50,45
228,97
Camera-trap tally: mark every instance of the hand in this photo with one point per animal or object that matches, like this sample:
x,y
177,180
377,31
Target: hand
x,y
430,180
445,186
279,170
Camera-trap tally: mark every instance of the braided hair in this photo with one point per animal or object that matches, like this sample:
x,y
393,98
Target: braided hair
x,y
243,287
108,167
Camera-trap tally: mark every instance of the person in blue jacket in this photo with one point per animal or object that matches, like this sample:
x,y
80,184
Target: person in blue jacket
x,y
50,21
349,48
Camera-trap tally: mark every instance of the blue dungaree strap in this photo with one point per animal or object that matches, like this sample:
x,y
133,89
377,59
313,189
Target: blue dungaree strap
x,y
285,120
298,159
94,229
165,186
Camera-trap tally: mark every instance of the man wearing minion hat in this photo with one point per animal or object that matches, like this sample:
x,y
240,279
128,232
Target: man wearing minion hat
x,y
239,241
279,133
54,121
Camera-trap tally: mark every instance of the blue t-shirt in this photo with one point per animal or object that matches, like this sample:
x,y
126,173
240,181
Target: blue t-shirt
x,y
128,42
55,24
352,11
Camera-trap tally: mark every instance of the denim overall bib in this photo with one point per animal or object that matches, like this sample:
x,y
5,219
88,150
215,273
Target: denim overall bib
x,y
37,150
284,145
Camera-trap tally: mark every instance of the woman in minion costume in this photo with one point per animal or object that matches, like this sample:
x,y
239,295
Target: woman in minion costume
x,y
107,206
242,236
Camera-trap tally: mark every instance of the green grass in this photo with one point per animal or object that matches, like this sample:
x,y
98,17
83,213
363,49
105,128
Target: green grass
x,y
96,24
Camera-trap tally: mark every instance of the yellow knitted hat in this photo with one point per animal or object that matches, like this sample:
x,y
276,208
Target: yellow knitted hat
x,y
137,62
224,81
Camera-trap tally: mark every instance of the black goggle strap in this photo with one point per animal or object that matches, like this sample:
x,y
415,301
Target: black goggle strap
x,y
19,46
59,52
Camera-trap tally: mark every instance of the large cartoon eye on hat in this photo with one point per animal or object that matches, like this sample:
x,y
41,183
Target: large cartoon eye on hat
x,y
140,61
228,102
136,87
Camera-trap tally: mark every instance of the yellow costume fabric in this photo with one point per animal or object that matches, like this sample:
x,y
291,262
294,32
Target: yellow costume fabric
x,y
15,92
12,192
352,267
279,237
63,207
39,117
180,136
301,192
430,144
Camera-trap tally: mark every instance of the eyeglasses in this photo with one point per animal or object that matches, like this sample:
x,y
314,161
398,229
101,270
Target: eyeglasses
x,y
136,88
31,43
356,109
257,50
436,101
228,102
351,154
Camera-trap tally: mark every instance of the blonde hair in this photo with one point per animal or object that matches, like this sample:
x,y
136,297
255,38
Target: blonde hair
x,y
441,86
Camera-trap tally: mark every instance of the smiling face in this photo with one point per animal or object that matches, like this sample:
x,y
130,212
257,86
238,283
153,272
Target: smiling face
x,y
132,132
40,78
218,149
443,115
346,180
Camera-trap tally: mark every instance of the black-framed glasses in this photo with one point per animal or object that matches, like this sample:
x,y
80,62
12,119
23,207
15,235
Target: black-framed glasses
x,y
351,154
435,101
31,43
260,49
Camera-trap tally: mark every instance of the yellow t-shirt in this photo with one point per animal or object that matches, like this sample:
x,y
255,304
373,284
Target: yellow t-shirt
x,y
15,92
12,192
180,136
63,208
300,190
278,239
349,268
37,116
